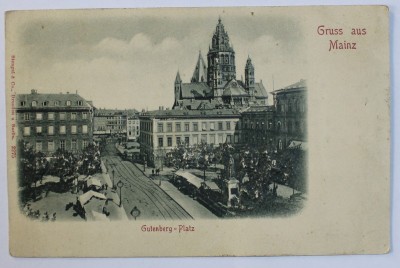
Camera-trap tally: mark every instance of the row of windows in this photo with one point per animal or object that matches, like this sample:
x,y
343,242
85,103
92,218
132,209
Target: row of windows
x,y
203,126
62,130
52,146
56,103
53,116
195,139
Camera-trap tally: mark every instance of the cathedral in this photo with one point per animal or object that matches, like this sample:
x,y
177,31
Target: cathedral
x,y
215,85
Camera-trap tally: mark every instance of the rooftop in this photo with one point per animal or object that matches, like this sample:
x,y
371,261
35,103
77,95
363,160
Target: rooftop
x,y
301,85
51,100
191,113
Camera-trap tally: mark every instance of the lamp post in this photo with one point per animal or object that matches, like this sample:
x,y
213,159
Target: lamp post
x,y
135,212
113,174
120,184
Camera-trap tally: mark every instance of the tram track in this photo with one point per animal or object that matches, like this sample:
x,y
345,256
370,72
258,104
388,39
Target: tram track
x,y
166,206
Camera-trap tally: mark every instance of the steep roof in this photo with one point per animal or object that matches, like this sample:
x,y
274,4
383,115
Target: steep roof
x,y
200,71
233,88
196,90
51,100
259,91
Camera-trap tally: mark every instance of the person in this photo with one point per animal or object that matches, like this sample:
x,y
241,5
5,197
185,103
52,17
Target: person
x,y
106,185
53,218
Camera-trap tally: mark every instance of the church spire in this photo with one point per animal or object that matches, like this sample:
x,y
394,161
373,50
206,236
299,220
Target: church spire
x,y
200,71
178,78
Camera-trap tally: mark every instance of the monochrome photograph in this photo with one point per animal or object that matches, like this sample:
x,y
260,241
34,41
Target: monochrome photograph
x,y
220,138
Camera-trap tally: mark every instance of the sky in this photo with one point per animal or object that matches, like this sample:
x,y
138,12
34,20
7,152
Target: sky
x,y
129,59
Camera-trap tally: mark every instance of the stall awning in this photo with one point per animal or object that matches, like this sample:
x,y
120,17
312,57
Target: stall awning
x,y
196,181
298,144
86,197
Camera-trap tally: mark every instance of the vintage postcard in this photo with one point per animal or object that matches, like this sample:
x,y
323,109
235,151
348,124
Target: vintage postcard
x,y
252,131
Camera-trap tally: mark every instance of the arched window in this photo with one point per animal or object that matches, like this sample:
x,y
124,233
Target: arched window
x,y
34,103
278,126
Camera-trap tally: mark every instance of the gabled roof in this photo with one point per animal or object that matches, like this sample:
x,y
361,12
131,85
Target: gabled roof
x,y
196,90
259,91
233,88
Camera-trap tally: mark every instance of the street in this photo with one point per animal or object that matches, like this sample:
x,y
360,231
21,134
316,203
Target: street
x,y
138,190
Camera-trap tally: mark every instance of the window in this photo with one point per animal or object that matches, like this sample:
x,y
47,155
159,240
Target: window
x,y
73,145
39,116
38,130
204,126
178,140
169,141
220,138
73,116
187,127
27,131
62,145
187,140
236,139
280,145
84,115
195,139
50,146
228,138
212,126
228,125
84,129
212,139
84,144
160,142
169,127
73,129
68,103
45,103
57,103
62,129
62,116
160,127
80,103
26,116
34,103
178,127
38,146
50,130
195,127
50,116
22,103
204,138
220,126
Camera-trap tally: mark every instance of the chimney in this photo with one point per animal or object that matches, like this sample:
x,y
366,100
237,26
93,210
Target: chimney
x,y
33,91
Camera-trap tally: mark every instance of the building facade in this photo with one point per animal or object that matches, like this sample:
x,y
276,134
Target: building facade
x,y
112,121
163,130
132,127
215,85
280,125
54,121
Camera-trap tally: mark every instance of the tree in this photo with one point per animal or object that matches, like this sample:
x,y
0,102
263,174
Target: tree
x,y
292,165
90,162
33,166
64,164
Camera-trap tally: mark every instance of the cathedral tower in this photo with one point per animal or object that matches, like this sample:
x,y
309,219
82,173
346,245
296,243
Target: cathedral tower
x,y
249,78
221,60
